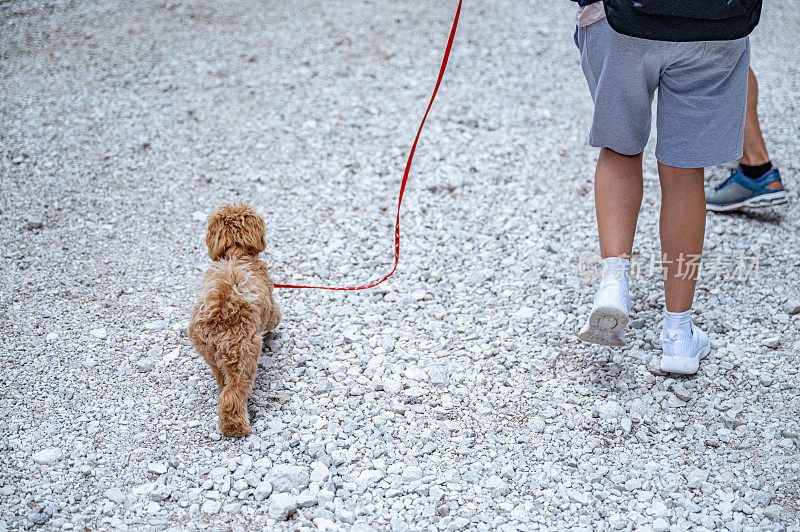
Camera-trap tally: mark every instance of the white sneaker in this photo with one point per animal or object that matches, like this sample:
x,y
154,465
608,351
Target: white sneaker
x,y
682,351
609,316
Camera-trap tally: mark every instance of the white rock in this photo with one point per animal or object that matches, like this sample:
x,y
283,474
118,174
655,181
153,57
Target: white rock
x,y
370,477
392,386
172,355
439,376
115,495
159,468
580,497
218,474
306,499
48,456
660,525
498,486
680,392
319,473
616,521
211,507
421,295
537,424
773,512
416,373
199,216
282,506
262,491
611,410
792,307
285,478
412,473
524,313
99,333
156,325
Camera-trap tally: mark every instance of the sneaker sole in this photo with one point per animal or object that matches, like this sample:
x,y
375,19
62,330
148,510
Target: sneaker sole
x,y
604,327
684,365
764,200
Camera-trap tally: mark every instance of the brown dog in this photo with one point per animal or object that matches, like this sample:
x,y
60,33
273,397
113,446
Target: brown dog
x,y
234,308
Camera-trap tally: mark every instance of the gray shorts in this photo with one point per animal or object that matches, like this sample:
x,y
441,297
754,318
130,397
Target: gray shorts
x,y
702,92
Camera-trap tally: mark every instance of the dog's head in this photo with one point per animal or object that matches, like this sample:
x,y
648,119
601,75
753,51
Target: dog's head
x,y
235,225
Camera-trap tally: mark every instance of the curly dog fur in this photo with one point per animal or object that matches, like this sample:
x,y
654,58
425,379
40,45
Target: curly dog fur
x,y
235,306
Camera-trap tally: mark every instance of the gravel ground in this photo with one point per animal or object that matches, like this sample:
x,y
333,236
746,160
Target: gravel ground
x,y
453,396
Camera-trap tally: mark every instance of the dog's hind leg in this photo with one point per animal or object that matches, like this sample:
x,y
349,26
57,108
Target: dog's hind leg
x,y
274,316
238,368
218,375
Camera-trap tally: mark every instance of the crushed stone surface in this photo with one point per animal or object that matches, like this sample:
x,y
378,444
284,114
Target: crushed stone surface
x,y
455,395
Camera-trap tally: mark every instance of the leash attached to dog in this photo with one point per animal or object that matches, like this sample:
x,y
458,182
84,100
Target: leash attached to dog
x,y
405,173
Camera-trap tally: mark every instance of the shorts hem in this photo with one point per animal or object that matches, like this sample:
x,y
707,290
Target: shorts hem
x,y
700,162
622,150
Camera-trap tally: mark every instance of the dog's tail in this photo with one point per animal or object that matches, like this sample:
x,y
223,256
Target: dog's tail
x,y
226,294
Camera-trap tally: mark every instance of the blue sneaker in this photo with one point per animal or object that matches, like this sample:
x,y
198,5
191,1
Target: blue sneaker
x,y
740,191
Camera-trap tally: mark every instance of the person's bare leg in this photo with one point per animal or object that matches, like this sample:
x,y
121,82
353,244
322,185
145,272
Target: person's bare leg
x,y
617,199
682,228
755,150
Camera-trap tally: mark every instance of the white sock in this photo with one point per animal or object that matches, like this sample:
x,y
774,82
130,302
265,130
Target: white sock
x,y
678,321
616,268
615,278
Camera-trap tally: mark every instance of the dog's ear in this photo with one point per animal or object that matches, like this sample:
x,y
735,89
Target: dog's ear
x,y
217,238
252,235
235,225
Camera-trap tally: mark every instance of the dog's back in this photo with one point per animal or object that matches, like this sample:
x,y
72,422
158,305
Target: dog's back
x,y
231,306
230,293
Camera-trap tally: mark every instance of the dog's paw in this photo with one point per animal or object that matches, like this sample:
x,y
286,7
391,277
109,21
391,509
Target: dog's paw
x,y
237,428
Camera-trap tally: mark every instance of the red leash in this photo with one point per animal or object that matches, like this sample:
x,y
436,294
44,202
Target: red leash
x,y
405,173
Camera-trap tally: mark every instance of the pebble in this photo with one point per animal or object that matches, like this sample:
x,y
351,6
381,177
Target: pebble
x,y
281,506
680,392
412,473
211,507
319,473
524,313
99,333
172,355
285,478
611,410
773,342
392,386
498,486
773,512
660,525
262,490
115,495
792,307
48,456
159,468
537,424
